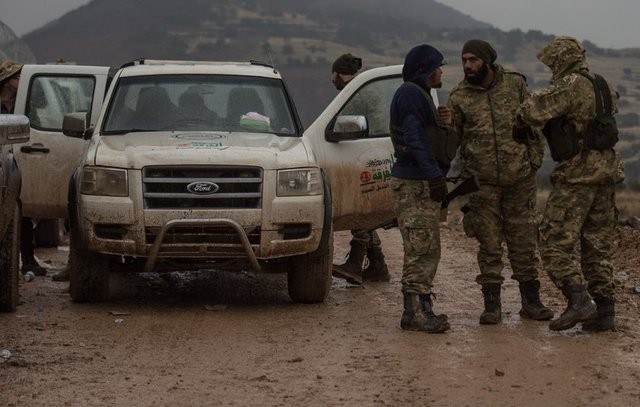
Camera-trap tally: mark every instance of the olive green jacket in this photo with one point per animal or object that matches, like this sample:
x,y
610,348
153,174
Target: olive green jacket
x,y
484,120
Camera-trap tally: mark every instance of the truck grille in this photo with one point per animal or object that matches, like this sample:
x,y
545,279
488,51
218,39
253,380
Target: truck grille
x,y
201,236
216,187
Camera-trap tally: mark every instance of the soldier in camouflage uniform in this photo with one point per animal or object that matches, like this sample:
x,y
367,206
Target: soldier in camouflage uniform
x,y
365,244
418,186
483,106
581,205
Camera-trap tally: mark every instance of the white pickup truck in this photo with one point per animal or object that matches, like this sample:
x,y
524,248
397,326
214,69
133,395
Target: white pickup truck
x,y
45,94
206,165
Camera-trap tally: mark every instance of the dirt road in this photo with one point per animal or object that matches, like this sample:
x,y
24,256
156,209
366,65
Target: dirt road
x,y
212,338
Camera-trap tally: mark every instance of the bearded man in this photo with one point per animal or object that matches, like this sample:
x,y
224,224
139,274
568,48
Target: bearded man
x,y
483,111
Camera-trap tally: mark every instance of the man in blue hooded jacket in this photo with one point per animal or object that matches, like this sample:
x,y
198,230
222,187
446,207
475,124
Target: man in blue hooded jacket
x,y
418,185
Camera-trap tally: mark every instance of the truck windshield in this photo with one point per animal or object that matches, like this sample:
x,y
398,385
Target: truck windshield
x,y
200,103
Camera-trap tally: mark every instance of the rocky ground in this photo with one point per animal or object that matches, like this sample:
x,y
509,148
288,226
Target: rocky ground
x,y
214,338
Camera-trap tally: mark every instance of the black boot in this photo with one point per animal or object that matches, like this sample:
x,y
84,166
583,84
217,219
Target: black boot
x,y
579,309
62,275
351,270
377,269
492,313
418,315
605,318
532,307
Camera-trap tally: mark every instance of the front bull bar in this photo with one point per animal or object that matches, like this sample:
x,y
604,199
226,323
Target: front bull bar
x,y
246,245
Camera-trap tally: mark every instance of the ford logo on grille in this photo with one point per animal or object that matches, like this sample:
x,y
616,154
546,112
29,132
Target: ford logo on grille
x,y
203,188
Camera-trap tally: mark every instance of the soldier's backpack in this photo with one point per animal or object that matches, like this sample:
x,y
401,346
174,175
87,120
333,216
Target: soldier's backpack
x,y
602,132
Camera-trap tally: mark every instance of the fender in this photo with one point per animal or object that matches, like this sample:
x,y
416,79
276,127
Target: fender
x,y
72,204
327,224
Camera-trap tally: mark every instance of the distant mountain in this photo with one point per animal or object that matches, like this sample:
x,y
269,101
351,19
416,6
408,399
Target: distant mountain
x,y
302,38
11,47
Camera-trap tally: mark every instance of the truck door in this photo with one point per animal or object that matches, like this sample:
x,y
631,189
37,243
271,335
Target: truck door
x,y
46,93
359,169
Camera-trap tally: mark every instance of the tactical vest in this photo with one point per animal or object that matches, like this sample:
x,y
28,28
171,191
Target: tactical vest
x,y
444,141
600,134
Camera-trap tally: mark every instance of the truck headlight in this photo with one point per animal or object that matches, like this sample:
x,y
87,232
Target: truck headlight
x,y
104,181
298,182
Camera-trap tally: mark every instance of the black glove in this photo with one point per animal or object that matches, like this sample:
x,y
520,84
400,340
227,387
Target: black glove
x,y
438,189
522,134
521,131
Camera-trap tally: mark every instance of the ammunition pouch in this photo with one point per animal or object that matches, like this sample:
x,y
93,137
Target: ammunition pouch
x,y
562,138
444,144
601,134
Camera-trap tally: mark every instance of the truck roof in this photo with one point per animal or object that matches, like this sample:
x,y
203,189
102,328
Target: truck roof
x,y
168,67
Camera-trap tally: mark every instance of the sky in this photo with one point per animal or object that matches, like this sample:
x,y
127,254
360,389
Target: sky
x,y
608,23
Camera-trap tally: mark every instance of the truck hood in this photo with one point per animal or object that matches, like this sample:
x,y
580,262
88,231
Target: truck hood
x,y
137,150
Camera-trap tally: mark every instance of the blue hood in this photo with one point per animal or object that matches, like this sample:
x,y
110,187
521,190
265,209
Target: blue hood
x,y
420,63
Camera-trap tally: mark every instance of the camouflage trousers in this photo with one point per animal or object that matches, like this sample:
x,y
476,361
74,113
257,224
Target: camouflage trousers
x,y
505,214
585,214
367,238
418,221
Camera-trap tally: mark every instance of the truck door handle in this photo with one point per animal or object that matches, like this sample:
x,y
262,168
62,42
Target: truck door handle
x,y
36,148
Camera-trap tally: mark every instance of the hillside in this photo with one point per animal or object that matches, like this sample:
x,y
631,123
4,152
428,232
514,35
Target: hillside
x,y
303,38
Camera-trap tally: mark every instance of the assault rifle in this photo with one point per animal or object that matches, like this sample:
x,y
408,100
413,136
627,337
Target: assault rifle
x,y
467,186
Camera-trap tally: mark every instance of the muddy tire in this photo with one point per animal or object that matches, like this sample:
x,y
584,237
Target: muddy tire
x,y
10,264
88,274
48,233
309,279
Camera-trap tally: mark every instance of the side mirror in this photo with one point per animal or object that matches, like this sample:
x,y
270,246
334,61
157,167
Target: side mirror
x,y
14,128
347,127
75,125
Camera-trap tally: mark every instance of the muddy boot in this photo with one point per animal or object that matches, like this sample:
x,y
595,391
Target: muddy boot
x,y
604,320
377,269
579,309
62,275
492,313
418,315
427,308
29,263
532,307
351,270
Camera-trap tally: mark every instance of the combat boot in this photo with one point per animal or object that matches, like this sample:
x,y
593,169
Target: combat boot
x,y
532,307
604,320
351,270
62,275
492,313
580,308
377,269
418,315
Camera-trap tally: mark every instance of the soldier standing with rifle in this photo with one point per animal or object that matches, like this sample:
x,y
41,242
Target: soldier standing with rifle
x,y
483,107
418,185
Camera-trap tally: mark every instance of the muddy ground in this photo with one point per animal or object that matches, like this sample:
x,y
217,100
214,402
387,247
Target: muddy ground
x,y
214,338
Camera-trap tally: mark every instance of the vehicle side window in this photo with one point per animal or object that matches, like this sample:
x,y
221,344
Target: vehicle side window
x,y
51,97
373,101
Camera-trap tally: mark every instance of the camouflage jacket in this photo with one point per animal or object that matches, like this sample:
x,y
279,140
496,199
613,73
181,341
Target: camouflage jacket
x,y
484,120
572,95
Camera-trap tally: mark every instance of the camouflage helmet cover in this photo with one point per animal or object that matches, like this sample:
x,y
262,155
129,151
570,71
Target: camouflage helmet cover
x,y
8,68
562,53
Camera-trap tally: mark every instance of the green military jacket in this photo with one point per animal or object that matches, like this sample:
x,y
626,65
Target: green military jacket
x,y
484,119
572,95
